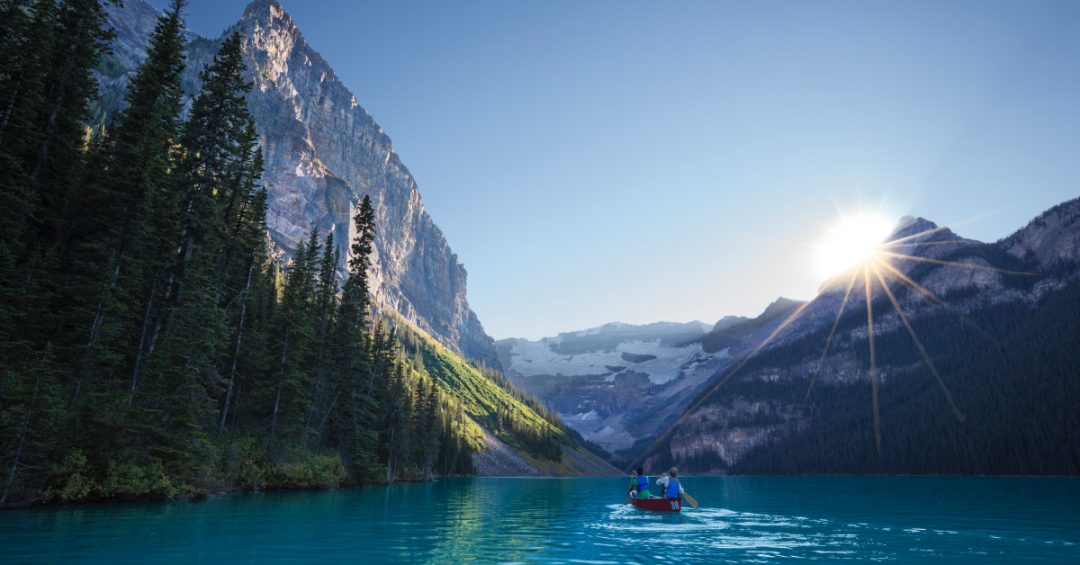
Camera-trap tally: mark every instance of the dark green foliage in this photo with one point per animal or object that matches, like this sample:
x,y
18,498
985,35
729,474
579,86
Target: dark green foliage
x,y
152,346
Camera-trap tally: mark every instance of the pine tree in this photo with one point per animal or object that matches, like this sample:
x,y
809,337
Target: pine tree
x,y
294,340
257,263
355,419
398,407
324,396
427,423
47,86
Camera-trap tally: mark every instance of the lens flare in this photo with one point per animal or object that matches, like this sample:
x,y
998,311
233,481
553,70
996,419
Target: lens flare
x,y
857,245
852,242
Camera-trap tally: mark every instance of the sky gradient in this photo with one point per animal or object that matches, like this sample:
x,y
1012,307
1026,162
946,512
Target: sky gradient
x,y
608,161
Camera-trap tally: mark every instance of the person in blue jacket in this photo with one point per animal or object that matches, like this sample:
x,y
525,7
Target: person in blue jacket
x,y
639,485
669,484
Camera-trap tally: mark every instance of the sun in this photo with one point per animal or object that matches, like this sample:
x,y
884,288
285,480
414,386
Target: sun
x,y
851,242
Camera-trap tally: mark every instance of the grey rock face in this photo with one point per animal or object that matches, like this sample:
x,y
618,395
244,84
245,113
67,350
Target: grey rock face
x,y
323,153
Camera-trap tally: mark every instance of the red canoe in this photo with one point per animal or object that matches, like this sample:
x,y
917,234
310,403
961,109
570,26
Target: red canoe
x,y
658,504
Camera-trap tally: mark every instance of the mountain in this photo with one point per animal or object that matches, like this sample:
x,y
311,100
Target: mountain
x,y
999,323
740,395
620,385
323,151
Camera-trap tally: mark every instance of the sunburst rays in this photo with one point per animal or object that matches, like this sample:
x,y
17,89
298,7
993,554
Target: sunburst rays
x,y
870,268
918,344
832,332
873,354
875,269
975,266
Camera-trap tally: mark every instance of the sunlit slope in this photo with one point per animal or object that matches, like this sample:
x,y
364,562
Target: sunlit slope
x,y
521,437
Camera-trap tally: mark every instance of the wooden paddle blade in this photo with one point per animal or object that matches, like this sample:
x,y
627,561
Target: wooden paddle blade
x,y
690,499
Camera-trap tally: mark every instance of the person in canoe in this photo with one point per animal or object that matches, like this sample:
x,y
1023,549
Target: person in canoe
x,y
669,484
639,485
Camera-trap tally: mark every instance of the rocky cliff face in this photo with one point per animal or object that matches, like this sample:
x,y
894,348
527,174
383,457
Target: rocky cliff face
x,y
324,152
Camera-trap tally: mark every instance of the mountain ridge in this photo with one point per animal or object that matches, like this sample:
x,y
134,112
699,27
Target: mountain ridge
x,y
750,416
1000,273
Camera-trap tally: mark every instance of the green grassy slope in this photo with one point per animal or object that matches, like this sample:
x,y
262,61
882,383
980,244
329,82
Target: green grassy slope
x,y
492,403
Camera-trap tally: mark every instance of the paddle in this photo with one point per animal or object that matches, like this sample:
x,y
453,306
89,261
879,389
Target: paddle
x,y
690,499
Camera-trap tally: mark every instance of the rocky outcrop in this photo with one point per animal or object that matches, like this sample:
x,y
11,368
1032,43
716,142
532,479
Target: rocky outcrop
x,y
323,153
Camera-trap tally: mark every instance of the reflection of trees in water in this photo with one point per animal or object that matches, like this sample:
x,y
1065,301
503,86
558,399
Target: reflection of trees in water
x,y
523,512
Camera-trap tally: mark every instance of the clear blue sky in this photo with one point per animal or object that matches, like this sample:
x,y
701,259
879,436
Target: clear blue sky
x,y
640,161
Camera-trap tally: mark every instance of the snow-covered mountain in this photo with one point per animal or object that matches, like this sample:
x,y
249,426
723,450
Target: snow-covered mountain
x,y
323,152
619,385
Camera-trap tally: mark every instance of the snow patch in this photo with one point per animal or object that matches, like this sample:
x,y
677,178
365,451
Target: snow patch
x,y
534,358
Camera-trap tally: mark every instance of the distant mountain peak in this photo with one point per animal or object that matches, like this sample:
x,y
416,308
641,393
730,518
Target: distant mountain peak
x,y
780,305
920,229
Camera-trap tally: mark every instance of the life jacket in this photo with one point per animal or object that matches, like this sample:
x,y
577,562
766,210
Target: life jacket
x,y
642,483
672,488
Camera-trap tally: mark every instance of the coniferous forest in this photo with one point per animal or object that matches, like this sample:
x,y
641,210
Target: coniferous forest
x,y
153,346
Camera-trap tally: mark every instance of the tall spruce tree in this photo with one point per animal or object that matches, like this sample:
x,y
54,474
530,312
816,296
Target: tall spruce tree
x,y
324,397
293,342
355,414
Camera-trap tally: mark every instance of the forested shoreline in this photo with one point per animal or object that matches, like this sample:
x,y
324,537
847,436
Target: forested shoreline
x,y
153,346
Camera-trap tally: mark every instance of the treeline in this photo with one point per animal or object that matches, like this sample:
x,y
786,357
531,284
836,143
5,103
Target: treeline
x,y
151,346
1013,379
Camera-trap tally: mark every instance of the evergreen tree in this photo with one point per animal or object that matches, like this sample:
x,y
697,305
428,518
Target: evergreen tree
x,y
355,413
257,266
324,396
426,423
294,337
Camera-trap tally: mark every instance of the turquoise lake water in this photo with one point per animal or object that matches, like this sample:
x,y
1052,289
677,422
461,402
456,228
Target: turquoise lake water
x,y
740,520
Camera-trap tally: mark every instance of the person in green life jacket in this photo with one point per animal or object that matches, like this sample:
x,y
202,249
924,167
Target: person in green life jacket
x,y
669,484
639,485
